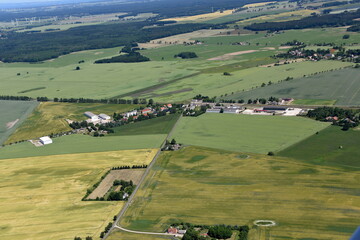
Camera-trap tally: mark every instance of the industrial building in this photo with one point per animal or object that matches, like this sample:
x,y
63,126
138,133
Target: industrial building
x,y
46,140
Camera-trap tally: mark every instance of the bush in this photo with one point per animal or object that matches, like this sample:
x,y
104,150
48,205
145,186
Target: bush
x,y
185,55
220,232
271,154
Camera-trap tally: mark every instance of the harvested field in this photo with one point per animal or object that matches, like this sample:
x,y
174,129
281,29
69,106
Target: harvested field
x,y
123,174
228,56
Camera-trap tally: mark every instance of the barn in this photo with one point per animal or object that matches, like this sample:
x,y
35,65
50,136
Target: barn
x,y
46,140
104,116
92,116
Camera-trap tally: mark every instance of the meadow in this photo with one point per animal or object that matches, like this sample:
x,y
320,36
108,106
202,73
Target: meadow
x,y
159,125
77,143
41,196
16,113
335,87
324,149
245,133
49,117
204,186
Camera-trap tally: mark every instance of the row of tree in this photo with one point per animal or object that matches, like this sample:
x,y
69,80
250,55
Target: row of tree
x,y
129,167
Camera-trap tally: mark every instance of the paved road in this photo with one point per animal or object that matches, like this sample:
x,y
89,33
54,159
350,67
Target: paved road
x,y
130,200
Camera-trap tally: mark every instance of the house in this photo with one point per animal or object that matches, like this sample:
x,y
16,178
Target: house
x,y
126,195
131,113
181,231
169,105
92,116
104,116
46,140
146,111
172,230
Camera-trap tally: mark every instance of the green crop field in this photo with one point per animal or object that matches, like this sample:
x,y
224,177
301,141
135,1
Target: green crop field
x,y
342,87
159,125
133,236
216,84
82,144
49,117
41,196
245,133
324,149
204,186
14,113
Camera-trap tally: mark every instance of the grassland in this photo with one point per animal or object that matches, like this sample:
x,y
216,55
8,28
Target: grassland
x,y
324,149
205,186
14,113
339,87
133,236
245,133
49,117
41,196
320,102
160,125
82,144
201,17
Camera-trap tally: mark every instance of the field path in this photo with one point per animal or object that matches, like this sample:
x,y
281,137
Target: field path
x,y
130,200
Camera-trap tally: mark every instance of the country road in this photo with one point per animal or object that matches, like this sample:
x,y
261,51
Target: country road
x,y
130,200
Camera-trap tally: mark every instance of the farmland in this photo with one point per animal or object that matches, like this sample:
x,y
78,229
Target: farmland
x,y
324,149
341,87
41,196
244,133
16,113
82,144
159,125
204,186
132,236
49,117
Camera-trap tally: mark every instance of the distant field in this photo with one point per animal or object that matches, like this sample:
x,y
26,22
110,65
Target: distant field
x,y
82,144
160,125
314,102
216,84
200,17
340,87
205,186
49,117
13,114
41,196
324,149
245,133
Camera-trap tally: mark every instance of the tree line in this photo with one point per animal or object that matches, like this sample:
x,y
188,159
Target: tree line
x,y
327,20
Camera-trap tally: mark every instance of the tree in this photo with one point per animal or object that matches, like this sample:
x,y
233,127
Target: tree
x,y
226,74
220,232
88,238
173,142
77,68
77,238
271,154
191,234
346,36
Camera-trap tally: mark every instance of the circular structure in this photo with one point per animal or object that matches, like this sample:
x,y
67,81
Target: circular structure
x,y
265,223
243,156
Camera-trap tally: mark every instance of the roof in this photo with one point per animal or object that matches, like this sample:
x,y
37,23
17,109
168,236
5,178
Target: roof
x,y
89,114
104,116
46,138
356,235
275,108
172,230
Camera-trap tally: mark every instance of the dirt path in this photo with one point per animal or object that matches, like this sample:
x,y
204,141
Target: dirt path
x,y
230,55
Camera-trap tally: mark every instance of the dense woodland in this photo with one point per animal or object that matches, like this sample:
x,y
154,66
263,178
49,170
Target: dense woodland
x,y
327,20
35,47
127,58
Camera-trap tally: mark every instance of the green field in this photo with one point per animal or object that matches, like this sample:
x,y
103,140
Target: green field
x,y
49,117
341,86
41,196
245,133
323,149
313,102
82,144
159,125
204,186
15,112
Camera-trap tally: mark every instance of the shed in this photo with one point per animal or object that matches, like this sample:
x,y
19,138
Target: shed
x,y
46,140
92,116
181,231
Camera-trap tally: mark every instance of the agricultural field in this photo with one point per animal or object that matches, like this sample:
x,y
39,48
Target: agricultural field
x,y
159,125
207,186
50,117
133,236
77,143
331,147
16,113
245,133
41,196
341,87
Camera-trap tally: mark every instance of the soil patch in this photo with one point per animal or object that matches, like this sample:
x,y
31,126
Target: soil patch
x,y
230,55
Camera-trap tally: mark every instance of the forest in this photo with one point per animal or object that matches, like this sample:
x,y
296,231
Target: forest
x,y
35,47
327,20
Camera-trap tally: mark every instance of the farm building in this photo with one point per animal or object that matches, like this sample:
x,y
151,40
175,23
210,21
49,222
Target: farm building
x,y
181,231
146,111
131,113
46,140
213,110
172,230
92,116
275,109
104,116
232,110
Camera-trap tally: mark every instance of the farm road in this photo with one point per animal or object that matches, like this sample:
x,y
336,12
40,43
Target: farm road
x,y
130,200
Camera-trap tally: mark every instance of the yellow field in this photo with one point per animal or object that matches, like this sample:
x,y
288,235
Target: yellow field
x,y
49,117
257,4
201,17
286,16
41,196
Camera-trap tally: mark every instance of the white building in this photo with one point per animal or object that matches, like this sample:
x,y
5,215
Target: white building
x,y
46,140
92,116
104,116
132,113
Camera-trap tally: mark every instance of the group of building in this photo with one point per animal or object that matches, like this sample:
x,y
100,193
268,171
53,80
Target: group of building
x,y
93,118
